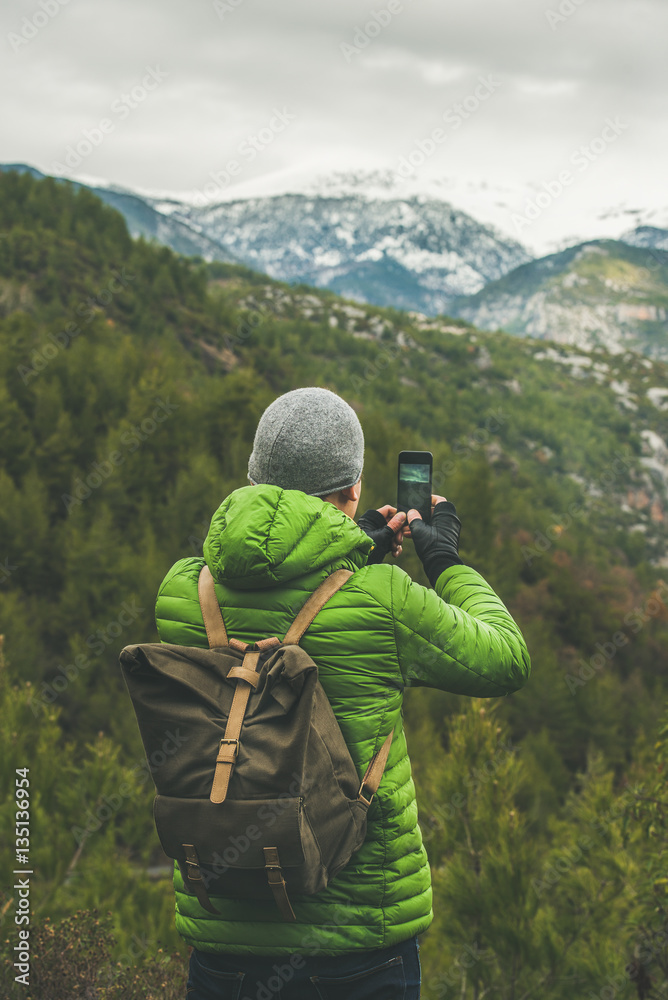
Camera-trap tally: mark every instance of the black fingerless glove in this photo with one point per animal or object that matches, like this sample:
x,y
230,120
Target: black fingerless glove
x,y
437,543
374,524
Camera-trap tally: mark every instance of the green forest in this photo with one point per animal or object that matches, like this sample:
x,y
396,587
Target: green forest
x,y
131,383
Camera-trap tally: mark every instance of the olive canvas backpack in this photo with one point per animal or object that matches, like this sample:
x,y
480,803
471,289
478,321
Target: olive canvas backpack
x,y
261,799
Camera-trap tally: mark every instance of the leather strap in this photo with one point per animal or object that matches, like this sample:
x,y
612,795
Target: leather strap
x,y
229,745
276,881
244,674
211,613
374,771
315,603
266,644
194,877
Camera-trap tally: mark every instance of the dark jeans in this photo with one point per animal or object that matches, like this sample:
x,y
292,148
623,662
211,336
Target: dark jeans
x,y
387,974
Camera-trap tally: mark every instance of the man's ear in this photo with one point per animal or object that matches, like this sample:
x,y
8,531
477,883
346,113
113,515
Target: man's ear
x,y
353,492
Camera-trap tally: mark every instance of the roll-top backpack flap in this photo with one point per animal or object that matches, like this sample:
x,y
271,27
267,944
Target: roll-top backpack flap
x,y
290,674
181,697
158,675
275,739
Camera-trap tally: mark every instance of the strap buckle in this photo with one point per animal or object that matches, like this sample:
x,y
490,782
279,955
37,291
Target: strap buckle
x,y
236,746
194,872
192,861
364,800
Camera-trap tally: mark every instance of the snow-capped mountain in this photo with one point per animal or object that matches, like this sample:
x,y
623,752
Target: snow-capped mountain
x,y
411,253
364,236
389,240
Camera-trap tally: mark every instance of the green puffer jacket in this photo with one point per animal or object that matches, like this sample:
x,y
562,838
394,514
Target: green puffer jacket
x,y
268,549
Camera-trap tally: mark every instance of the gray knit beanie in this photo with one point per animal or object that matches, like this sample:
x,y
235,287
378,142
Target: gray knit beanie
x,y
310,440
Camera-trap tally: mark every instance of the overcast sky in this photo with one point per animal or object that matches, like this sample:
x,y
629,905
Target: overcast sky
x,y
294,89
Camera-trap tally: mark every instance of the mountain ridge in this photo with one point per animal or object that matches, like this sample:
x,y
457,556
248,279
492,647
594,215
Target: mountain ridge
x,y
413,253
141,218
601,293
353,235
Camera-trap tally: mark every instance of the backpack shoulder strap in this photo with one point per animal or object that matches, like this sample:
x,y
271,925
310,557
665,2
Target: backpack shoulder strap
x,y
213,618
374,772
314,604
211,613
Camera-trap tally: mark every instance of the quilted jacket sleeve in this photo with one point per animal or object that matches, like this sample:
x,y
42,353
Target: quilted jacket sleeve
x,y
459,637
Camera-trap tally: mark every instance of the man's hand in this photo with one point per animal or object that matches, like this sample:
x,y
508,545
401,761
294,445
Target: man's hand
x,y
385,528
437,544
434,500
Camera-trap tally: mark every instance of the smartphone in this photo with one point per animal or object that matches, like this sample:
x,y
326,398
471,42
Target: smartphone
x,y
414,482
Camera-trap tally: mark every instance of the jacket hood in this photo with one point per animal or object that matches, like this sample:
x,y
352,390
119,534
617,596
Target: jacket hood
x,y
262,536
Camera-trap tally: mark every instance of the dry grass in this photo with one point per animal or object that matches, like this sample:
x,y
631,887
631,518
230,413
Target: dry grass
x,y
71,961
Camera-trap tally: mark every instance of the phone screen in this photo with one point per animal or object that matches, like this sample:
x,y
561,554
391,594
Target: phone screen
x,y
414,487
